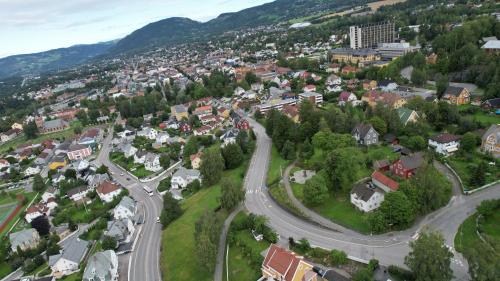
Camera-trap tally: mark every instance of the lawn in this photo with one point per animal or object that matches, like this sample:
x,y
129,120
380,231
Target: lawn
x,y
239,267
466,167
338,209
137,170
178,255
278,193
4,269
276,167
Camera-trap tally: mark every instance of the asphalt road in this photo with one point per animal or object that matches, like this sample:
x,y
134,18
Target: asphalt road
x,y
388,249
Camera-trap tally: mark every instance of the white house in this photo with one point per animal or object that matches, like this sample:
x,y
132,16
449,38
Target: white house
x,y
333,80
35,211
122,230
162,137
31,171
102,266
49,193
128,149
125,209
148,132
229,137
69,260
152,162
445,144
78,193
366,197
140,157
107,191
182,177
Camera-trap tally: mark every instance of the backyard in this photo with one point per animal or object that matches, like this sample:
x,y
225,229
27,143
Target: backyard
x,y
178,260
465,168
136,169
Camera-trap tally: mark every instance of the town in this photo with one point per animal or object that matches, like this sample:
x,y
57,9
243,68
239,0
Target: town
x,y
357,145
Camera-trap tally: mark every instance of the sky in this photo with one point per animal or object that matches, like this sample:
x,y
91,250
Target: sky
x,y
28,26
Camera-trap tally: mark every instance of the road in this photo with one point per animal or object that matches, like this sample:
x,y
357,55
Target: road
x,y
388,249
144,261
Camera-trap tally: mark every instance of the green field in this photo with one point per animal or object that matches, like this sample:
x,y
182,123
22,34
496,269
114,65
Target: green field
x,y
4,269
29,197
178,255
276,166
466,167
338,209
5,211
279,194
239,267
137,170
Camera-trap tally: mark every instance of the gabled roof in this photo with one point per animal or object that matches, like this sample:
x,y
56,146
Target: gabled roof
x,y
363,129
74,251
99,265
107,187
413,161
282,261
445,138
404,114
385,180
23,236
363,191
185,173
454,91
127,203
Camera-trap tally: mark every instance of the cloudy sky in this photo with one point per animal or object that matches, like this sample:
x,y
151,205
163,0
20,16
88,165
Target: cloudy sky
x,y
28,26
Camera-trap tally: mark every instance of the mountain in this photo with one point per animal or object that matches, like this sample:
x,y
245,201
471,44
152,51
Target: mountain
x,y
51,60
171,31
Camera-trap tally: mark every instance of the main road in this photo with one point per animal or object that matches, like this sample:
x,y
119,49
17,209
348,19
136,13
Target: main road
x,y
388,249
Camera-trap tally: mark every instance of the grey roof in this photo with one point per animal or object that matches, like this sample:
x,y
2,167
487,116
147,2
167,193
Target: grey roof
x,y
354,52
184,173
363,129
98,179
99,266
150,157
413,161
55,124
127,203
495,130
21,237
180,108
231,133
454,91
363,191
76,190
141,153
117,229
74,251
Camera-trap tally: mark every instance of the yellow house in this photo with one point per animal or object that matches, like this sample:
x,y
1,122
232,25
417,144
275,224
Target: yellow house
x,y
17,126
223,112
354,56
58,162
179,111
196,160
281,264
456,95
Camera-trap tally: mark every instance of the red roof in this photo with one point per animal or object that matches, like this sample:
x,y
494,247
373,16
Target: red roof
x,y
385,180
282,261
107,187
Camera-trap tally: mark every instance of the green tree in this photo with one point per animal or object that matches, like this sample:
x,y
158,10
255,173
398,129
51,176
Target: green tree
x,y
109,243
441,84
377,221
30,130
316,190
171,210
468,142
251,78
207,238
418,77
429,258
288,150
212,166
232,194
165,161
306,150
77,129
338,257
397,209
416,143
102,169
479,174
38,183
343,167
233,155
70,173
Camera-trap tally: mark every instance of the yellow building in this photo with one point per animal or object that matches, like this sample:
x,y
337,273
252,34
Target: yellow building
x,y
17,126
281,264
354,56
58,162
179,111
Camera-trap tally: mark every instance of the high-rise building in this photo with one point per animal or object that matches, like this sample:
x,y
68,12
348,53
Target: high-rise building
x,y
369,36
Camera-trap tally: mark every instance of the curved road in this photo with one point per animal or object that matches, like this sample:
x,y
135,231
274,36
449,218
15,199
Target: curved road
x,y
388,249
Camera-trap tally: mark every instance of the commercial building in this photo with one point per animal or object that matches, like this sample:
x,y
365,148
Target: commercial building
x,y
369,36
389,51
354,56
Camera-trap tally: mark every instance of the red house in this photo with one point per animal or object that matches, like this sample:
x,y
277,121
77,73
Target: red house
x,y
185,128
406,166
243,124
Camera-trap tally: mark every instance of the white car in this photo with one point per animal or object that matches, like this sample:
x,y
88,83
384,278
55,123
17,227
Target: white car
x,y
157,219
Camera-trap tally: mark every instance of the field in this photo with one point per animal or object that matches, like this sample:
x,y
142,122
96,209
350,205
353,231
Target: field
x,y
239,267
178,260
29,198
6,210
374,6
276,167
466,167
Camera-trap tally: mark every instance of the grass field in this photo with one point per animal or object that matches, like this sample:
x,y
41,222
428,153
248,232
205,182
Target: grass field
x,y
466,167
5,211
239,267
29,198
279,194
178,255
276,166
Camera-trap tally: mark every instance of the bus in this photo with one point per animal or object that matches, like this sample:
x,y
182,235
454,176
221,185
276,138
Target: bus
x,y
148,190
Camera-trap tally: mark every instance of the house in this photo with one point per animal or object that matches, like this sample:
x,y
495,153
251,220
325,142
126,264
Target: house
x,y
91,137
490,141
348,97
128,149
162,137
407,115
122,230
392,100
95,180
381,165
42,158
203,111
406,166
182,177
314,98
78,193
387,85
58,162
491,104
52,126
285,265
292,112
125,209
102,266
242,124
445,144
179,111
24,239
148,133
152,162
140,157
57,177
365,134
366,197
229,137
32,170
309,88
107,191
69,260
127,133
203,130
79,152
51,192
384,182
35,211
492,46
333,80
171,124
9,135
185,127
196,160
4,164
17,126
456,95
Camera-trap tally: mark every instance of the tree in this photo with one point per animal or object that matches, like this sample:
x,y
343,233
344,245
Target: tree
x,y
379,125
316,190
397,209
232,194
70,173
429,258
288,150
306,150
212,166
30,130
233,155
416,143
441,84
38,183
171,210
478,176
338,257
468,142
377,221
109,243
77,130
304,245
42,225
165,161
207,238
418,77
251,78
343,167
102,169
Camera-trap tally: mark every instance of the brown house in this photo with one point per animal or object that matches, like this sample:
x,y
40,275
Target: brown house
x,y
456,95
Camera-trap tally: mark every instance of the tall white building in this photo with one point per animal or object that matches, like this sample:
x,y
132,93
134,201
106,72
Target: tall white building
x,y
369,36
